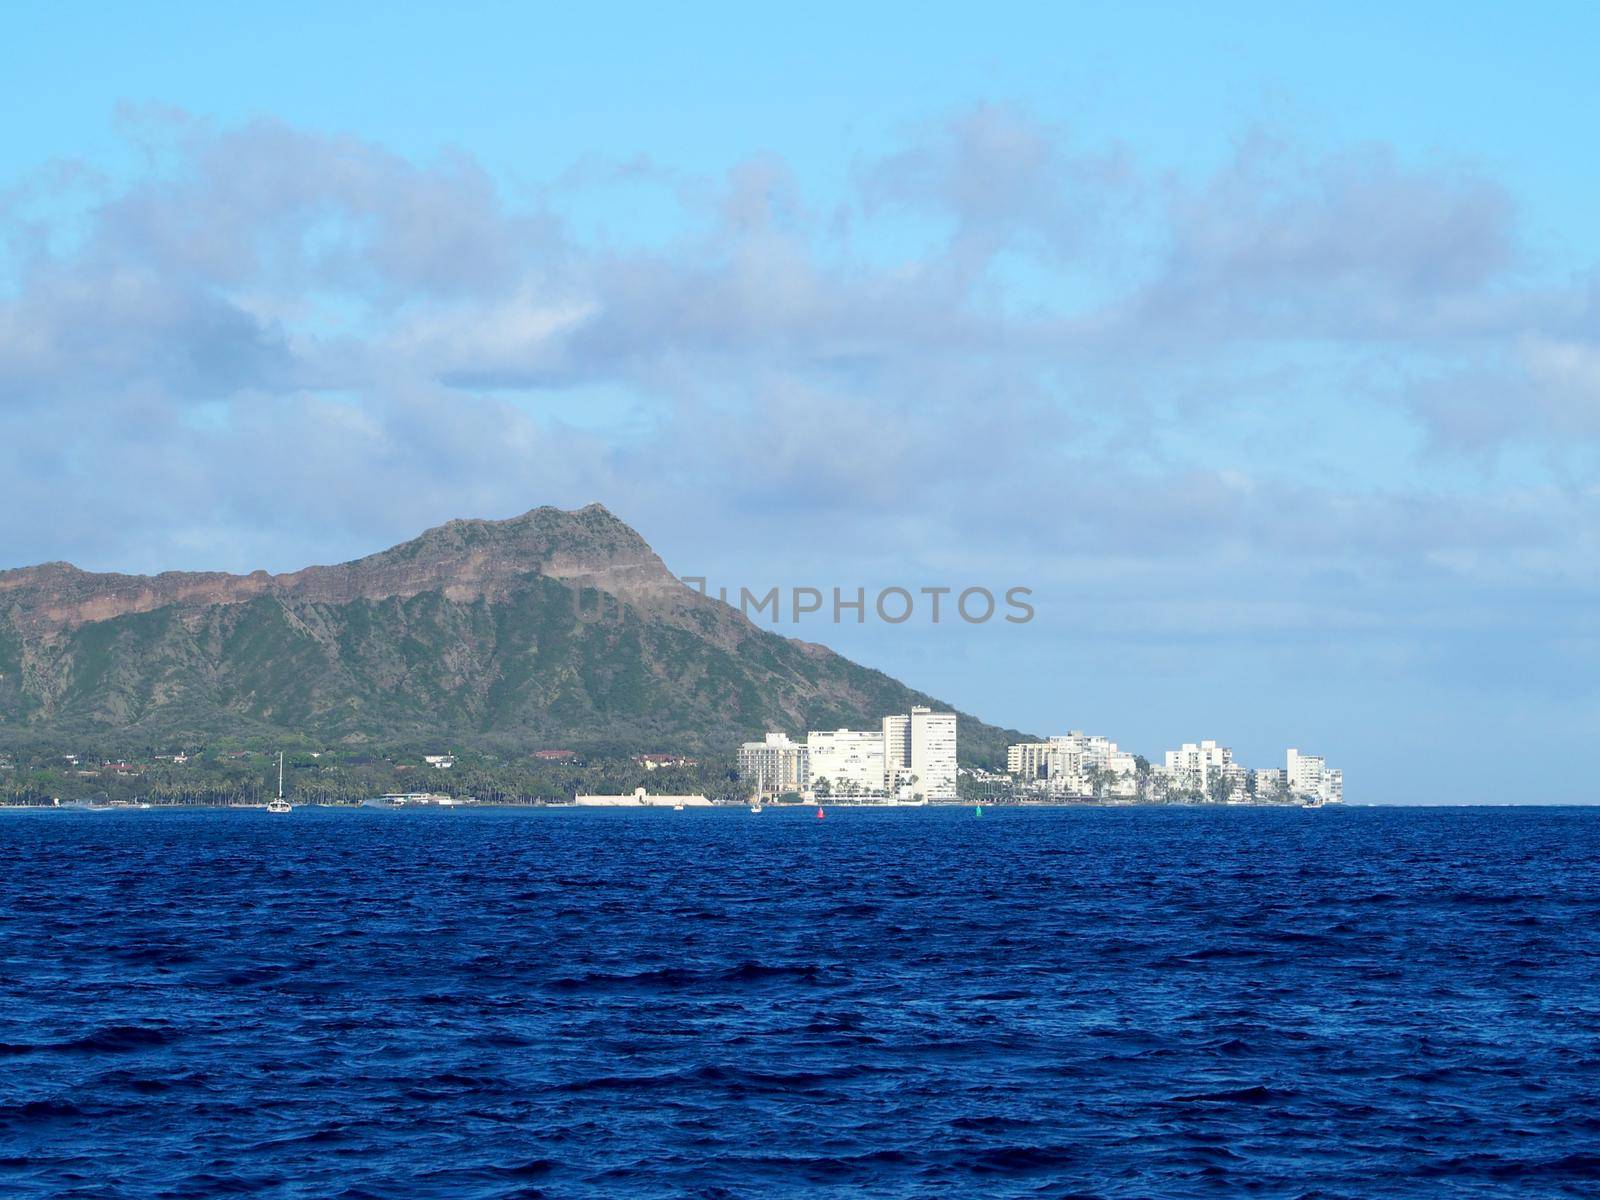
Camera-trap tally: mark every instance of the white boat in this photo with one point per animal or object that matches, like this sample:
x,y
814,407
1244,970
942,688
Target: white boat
x,y
279,805
756,807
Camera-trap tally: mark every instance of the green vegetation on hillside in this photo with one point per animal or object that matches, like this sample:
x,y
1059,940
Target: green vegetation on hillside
x,y
502,676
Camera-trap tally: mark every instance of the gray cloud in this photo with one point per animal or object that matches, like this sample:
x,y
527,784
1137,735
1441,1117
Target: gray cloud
x,y
1001,180
1355,246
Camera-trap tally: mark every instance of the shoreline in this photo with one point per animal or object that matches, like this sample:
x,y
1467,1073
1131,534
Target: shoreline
x,y
568,806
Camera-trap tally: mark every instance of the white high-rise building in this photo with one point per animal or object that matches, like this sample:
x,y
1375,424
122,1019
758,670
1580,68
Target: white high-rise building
x,y
1310,776
932,757
851,760
774,765
1067,764
1192,767
896,743
1028,761
913,754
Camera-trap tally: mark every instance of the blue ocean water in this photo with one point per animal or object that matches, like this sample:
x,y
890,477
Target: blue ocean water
x,y
1080,1002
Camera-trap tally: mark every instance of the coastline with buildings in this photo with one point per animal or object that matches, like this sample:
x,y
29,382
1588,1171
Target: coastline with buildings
x,y
911,758
905,758
1082,767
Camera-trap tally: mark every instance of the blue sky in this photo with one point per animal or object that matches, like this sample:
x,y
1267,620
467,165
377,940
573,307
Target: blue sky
x,y
1263,345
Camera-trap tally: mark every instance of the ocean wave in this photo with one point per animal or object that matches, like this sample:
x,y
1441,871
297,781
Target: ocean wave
x,y
500,1006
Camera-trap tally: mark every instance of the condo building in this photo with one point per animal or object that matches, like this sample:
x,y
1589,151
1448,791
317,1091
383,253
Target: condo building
x,y
1308,775
1080,765
1072,764
1269,783
1238,777
910,755
1191,767
927,763
847,762
775,765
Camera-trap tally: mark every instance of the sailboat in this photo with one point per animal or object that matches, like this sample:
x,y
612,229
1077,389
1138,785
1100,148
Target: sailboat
x,y
280,805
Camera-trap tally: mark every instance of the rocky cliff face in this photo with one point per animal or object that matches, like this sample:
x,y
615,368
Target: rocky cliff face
x,y
462,560
471,631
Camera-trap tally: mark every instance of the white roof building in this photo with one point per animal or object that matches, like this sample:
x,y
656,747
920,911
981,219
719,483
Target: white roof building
x,y
639,798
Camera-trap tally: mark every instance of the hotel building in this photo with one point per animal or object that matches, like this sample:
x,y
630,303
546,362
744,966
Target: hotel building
x,y
775,765
1068,765
911,754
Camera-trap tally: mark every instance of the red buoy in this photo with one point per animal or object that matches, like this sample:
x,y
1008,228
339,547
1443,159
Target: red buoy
x,y
820,814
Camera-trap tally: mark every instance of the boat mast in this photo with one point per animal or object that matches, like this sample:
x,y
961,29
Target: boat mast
x,y
280,774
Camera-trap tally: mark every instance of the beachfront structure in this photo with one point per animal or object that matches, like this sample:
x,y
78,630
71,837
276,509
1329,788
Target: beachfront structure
x,y
1238,777
911,755
639,798
1074,764
775,765
1192,766
846,762
920,754
1308,776
1270,785
1077,765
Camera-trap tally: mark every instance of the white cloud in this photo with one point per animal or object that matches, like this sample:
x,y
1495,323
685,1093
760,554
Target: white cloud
x,y
304,346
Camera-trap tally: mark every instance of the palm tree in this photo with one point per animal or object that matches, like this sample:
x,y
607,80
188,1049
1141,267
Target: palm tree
x,y
1218,786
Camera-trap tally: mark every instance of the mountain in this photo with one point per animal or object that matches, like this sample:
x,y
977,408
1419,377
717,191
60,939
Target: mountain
x,y
552,629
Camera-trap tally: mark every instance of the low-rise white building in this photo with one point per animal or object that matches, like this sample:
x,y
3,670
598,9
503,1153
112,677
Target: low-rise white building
x,y
1238,777
1269,784
639,798
1333,786
657,762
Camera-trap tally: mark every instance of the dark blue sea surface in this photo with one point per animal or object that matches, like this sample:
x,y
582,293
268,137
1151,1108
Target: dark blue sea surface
x,y
1079,1002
